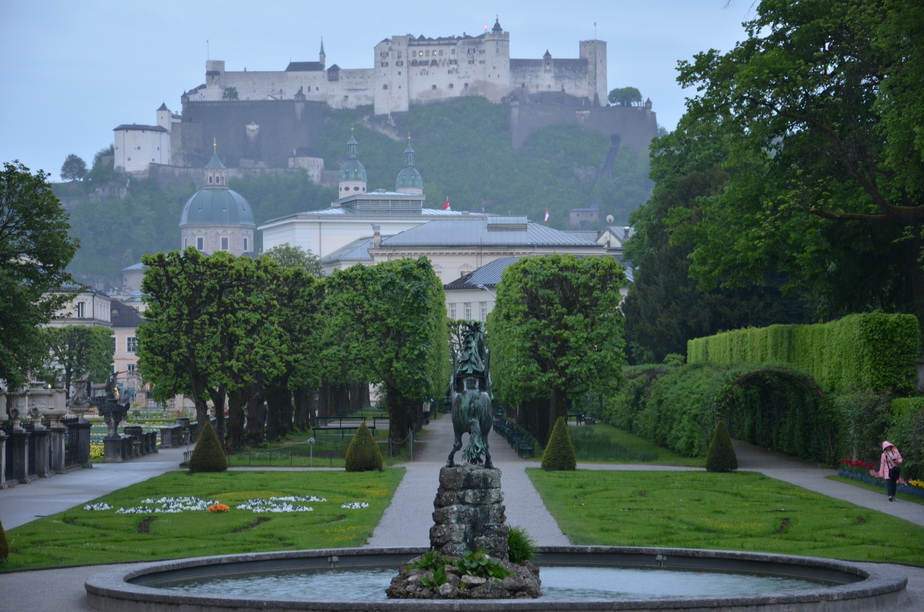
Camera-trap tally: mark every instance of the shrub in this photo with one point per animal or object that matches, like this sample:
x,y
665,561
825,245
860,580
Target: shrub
x,y
559,452
363,454
4,545
208,455
520,546
721,457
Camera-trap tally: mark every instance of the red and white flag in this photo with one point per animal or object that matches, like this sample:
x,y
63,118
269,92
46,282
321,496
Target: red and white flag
x,y
546,214
446,205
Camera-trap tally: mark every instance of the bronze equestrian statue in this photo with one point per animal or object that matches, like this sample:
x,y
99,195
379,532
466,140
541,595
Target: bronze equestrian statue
x,y
471,405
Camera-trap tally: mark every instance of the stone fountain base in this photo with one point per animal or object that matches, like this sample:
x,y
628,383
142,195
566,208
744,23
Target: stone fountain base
x,y
468,516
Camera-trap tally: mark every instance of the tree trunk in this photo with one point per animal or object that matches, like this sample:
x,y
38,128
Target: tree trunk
x,y
236,420
279,412
255,432
305,405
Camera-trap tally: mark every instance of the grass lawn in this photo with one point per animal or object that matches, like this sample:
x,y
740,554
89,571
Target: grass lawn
x,y
605,444
81,537
730,511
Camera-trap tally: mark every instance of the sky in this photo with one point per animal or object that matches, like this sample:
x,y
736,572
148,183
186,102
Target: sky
x,y
70,72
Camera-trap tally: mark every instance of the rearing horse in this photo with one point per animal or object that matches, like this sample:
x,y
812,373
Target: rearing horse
x,y
471,414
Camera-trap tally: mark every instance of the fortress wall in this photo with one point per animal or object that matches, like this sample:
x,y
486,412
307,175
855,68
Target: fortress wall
x,y
634,126
284,125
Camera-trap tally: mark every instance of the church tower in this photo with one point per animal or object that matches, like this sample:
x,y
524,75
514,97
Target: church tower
x,y
409,180
352,172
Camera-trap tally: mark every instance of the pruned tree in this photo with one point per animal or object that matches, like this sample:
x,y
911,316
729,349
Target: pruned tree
x,y
556,334
624,96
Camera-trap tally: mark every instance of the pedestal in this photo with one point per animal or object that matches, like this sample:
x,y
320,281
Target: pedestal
x,y
42,438
78,443
18,456
468,512
112,450
58,464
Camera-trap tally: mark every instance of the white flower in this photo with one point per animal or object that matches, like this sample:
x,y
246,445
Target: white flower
x,y
355,505
98,507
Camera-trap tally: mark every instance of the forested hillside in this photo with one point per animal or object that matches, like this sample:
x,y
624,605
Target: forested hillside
x,y
463,152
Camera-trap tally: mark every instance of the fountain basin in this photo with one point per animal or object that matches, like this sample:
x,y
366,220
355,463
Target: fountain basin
x,y
840,586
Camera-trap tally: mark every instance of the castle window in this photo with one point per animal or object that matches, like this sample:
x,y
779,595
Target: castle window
x,y
450,86
399,63
432,86
385,86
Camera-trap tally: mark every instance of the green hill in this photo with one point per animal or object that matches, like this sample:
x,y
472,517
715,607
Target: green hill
x,y
463,151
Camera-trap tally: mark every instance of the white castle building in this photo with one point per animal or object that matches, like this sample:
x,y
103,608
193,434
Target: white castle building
x,y
412,70
265,118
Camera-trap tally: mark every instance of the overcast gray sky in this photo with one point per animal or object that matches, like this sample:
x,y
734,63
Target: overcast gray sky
x,y
71,71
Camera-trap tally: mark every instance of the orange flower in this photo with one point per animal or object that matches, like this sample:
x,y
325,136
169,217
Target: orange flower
x,y
218,508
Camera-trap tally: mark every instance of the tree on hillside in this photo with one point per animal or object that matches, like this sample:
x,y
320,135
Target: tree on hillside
x,y
556,334
211,327
79,352
34,251
386,325
73,168
624,96
826,163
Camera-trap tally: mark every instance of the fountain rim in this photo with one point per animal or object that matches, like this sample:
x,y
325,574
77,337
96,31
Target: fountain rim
x,y
874,587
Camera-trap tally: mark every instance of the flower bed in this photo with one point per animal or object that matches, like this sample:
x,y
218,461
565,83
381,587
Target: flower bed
x,y
859,471
171,505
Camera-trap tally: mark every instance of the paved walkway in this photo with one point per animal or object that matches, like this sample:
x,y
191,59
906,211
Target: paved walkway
x,y
406,522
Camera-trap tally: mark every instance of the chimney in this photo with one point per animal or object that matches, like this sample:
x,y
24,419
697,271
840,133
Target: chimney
x,y
376,235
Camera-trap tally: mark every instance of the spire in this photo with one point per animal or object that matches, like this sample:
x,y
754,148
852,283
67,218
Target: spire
x,y
409,179
322,57
352,171
215,171
497,29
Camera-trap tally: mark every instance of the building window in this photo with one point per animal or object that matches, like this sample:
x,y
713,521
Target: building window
x,y
115,345
131,344
484,311
246,245
467,310
452,311
224,243
81,310
200,243
130,368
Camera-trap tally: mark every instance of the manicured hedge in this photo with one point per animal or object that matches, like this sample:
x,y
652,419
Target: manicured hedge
x,y
858,352
906,431
773,406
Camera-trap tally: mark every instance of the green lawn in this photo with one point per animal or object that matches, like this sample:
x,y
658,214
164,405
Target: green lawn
x,y
605,444
81,537
728,511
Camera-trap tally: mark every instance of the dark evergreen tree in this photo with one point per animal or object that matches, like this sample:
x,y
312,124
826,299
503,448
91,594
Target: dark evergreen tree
x,y
208,456
363,454
4,545
559,452
721,457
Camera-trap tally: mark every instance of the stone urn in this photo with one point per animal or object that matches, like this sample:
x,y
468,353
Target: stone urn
x,y
18,408
39,404
56,408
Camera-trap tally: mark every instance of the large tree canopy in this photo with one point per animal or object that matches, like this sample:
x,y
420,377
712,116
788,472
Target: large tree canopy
x,y
34,252
80,351
556,332
826,166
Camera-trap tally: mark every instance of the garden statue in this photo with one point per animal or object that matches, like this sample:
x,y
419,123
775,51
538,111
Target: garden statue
x,y
471,405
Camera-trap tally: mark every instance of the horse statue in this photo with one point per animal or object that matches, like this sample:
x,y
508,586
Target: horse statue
x,y
471,406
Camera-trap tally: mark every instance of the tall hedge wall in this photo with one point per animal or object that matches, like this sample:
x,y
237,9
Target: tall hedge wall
x,y
773,406
864,351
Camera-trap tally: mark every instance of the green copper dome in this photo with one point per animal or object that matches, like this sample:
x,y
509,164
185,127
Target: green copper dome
x,y
408,177
217,207
352,169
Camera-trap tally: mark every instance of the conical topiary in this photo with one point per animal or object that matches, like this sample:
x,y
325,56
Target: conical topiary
x,y
721,457
559,452
4,545
363,454
208,456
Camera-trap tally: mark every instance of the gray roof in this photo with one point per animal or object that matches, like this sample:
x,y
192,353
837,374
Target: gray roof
x,y
475,232
356,251
487,275
217,207
123,315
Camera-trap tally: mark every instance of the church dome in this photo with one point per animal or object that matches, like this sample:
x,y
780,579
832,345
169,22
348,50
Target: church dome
x,y
217,207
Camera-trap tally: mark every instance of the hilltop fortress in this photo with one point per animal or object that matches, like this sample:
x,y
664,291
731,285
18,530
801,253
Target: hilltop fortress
x,y
270,119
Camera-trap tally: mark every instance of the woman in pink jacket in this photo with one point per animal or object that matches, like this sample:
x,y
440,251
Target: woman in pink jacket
x,y
890,468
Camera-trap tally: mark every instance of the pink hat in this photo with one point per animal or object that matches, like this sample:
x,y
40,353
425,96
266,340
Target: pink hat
x,y
886,445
